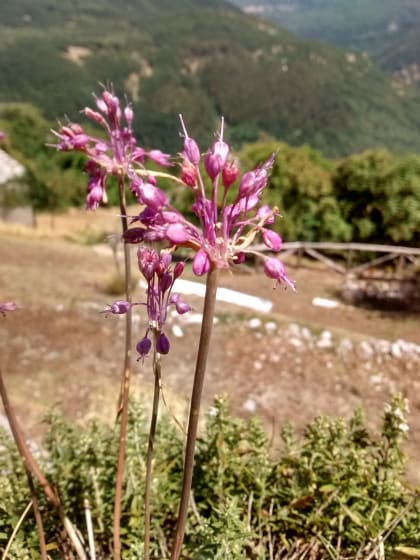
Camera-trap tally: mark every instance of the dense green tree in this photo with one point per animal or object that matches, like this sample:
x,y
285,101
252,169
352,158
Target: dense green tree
x,y
379,195
300,186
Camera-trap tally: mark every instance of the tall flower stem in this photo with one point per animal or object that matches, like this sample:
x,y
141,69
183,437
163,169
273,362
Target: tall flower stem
x,y
200,370
149,458
125,381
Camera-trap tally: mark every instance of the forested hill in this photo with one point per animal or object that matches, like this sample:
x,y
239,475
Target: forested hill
x,y
202,58
389,30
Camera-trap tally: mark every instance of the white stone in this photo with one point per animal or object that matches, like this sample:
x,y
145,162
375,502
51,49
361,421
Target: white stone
x,y
250,405
254,323
177,331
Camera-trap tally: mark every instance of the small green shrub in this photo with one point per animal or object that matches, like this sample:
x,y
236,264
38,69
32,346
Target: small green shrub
x,y
333,492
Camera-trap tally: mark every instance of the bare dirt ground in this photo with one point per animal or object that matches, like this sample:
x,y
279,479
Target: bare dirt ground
x,y
292,364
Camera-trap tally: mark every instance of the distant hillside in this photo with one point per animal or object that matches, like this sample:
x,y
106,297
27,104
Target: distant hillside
x,y
204,58
389,30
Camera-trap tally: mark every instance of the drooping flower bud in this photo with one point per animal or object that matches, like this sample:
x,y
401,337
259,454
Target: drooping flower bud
x,y
271,239
273,268
162,344
143,347
119,307
221,149
201,263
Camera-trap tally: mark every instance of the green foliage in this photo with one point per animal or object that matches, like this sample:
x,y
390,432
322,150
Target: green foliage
x,y
202,59
300,186
379,195
336,487
55,180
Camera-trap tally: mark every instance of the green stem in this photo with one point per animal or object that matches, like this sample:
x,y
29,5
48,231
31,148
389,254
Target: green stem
x,y
149,458
200,370
125,383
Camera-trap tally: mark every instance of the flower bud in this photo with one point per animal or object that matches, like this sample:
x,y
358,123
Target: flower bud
x,y
247,184
152,196
201,263
221,149
177,234
191,150
134,235
165,281
159,157
271,239
119,307
162,344
182,307
94,116
188,174
178,269
273,268
266,214
229,174
143,346
213,164
239,258
128,114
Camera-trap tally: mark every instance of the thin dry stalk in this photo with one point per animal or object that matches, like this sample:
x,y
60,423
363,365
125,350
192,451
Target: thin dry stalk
x,y
200,370
38,518
89,528
31,467
16,530
125,382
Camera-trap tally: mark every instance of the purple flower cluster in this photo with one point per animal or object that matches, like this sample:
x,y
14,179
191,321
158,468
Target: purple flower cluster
x,y
160,278
227,229
117,155
230,217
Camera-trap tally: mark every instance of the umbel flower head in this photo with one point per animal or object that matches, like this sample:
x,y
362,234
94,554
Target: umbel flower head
x,y
117,155
227,230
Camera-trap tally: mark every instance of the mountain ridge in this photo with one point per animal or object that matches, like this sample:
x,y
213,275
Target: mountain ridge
x,y
203,58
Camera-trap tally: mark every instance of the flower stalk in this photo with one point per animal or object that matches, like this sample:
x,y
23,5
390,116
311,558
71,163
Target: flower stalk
x,y
150,447
125,381
200,370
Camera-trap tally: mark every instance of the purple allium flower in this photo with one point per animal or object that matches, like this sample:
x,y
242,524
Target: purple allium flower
x,y
2,135
118,155
119,307
227,230
273,268
7,306
160,278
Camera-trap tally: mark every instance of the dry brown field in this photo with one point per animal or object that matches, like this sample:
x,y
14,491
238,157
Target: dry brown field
x,y
294,363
